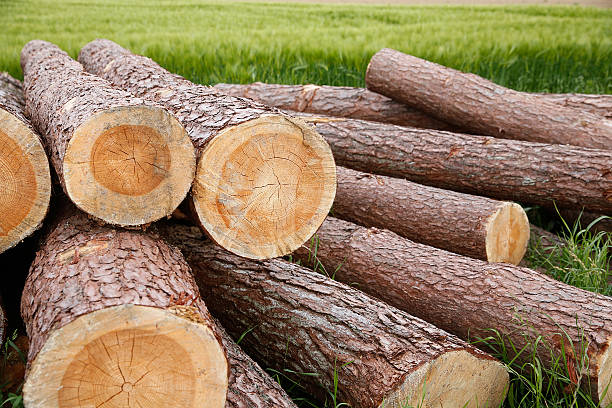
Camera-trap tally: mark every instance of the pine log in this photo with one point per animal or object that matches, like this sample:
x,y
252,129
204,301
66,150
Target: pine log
x,y
25,180
117,157
468,297
264,181
596,104
571,216
249,386
305,322
479,227
480,106
340,101
115,319
525,172
361,103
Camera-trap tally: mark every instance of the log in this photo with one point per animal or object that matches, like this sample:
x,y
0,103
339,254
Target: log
x,y
305,322
571,216
249,386
361,103
25,180
117,157
264,182
114,318
480,106
495,231
596,104
525,172
468,297
340,101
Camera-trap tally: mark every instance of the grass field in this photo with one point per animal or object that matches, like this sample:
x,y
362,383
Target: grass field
x,y
546,49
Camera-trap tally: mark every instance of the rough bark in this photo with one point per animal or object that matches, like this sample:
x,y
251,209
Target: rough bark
x,y
305,322
24,169
88,283
468,297
249,386
346,102
120,159
469,225
480,106
264,181
526,172
596,104
571,216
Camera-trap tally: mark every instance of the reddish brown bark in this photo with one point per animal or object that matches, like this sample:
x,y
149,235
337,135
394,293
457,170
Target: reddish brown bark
x,y
305,322
480,106
467,297
596,104
465,224
357,103
526,172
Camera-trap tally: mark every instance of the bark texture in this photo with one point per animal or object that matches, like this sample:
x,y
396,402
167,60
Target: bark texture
x,y
249,386
11,98
586,218
596,104
60,96
82,267
527,172
203,110
311,324
482,107
460,223
347,102
467,297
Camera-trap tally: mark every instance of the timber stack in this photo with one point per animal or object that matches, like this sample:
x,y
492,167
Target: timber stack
x,y
424,252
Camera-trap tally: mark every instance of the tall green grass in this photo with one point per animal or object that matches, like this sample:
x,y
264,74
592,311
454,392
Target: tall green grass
x,y
556,49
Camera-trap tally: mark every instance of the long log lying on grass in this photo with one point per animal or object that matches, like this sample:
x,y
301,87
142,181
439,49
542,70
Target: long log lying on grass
x,y
480,106
467,297
118,158
357,103
115,319
249,386
25,180
264,182
479,227
596,104
307,323
526,172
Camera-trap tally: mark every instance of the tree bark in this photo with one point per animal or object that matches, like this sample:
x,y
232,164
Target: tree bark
x,y
482,107
25,179
474,226
264,181
596,104
526,172
99,304
307,323
340,101
249,386
468,297
571,216
124,161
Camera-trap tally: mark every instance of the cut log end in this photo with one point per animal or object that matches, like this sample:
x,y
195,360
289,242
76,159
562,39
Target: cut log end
x,y
604,376
129,165
454,379
507,234
129,356
25,181
265,186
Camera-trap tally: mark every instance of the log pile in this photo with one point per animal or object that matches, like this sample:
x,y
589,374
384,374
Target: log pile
x,y
424,251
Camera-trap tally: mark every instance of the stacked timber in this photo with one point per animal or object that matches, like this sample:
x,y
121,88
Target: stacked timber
x,y
120,159
265,180
114,318
495,231
474,103
468,297
25,181
304,322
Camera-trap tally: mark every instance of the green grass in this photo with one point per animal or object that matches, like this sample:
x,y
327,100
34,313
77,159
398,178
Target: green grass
x,y
556,49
